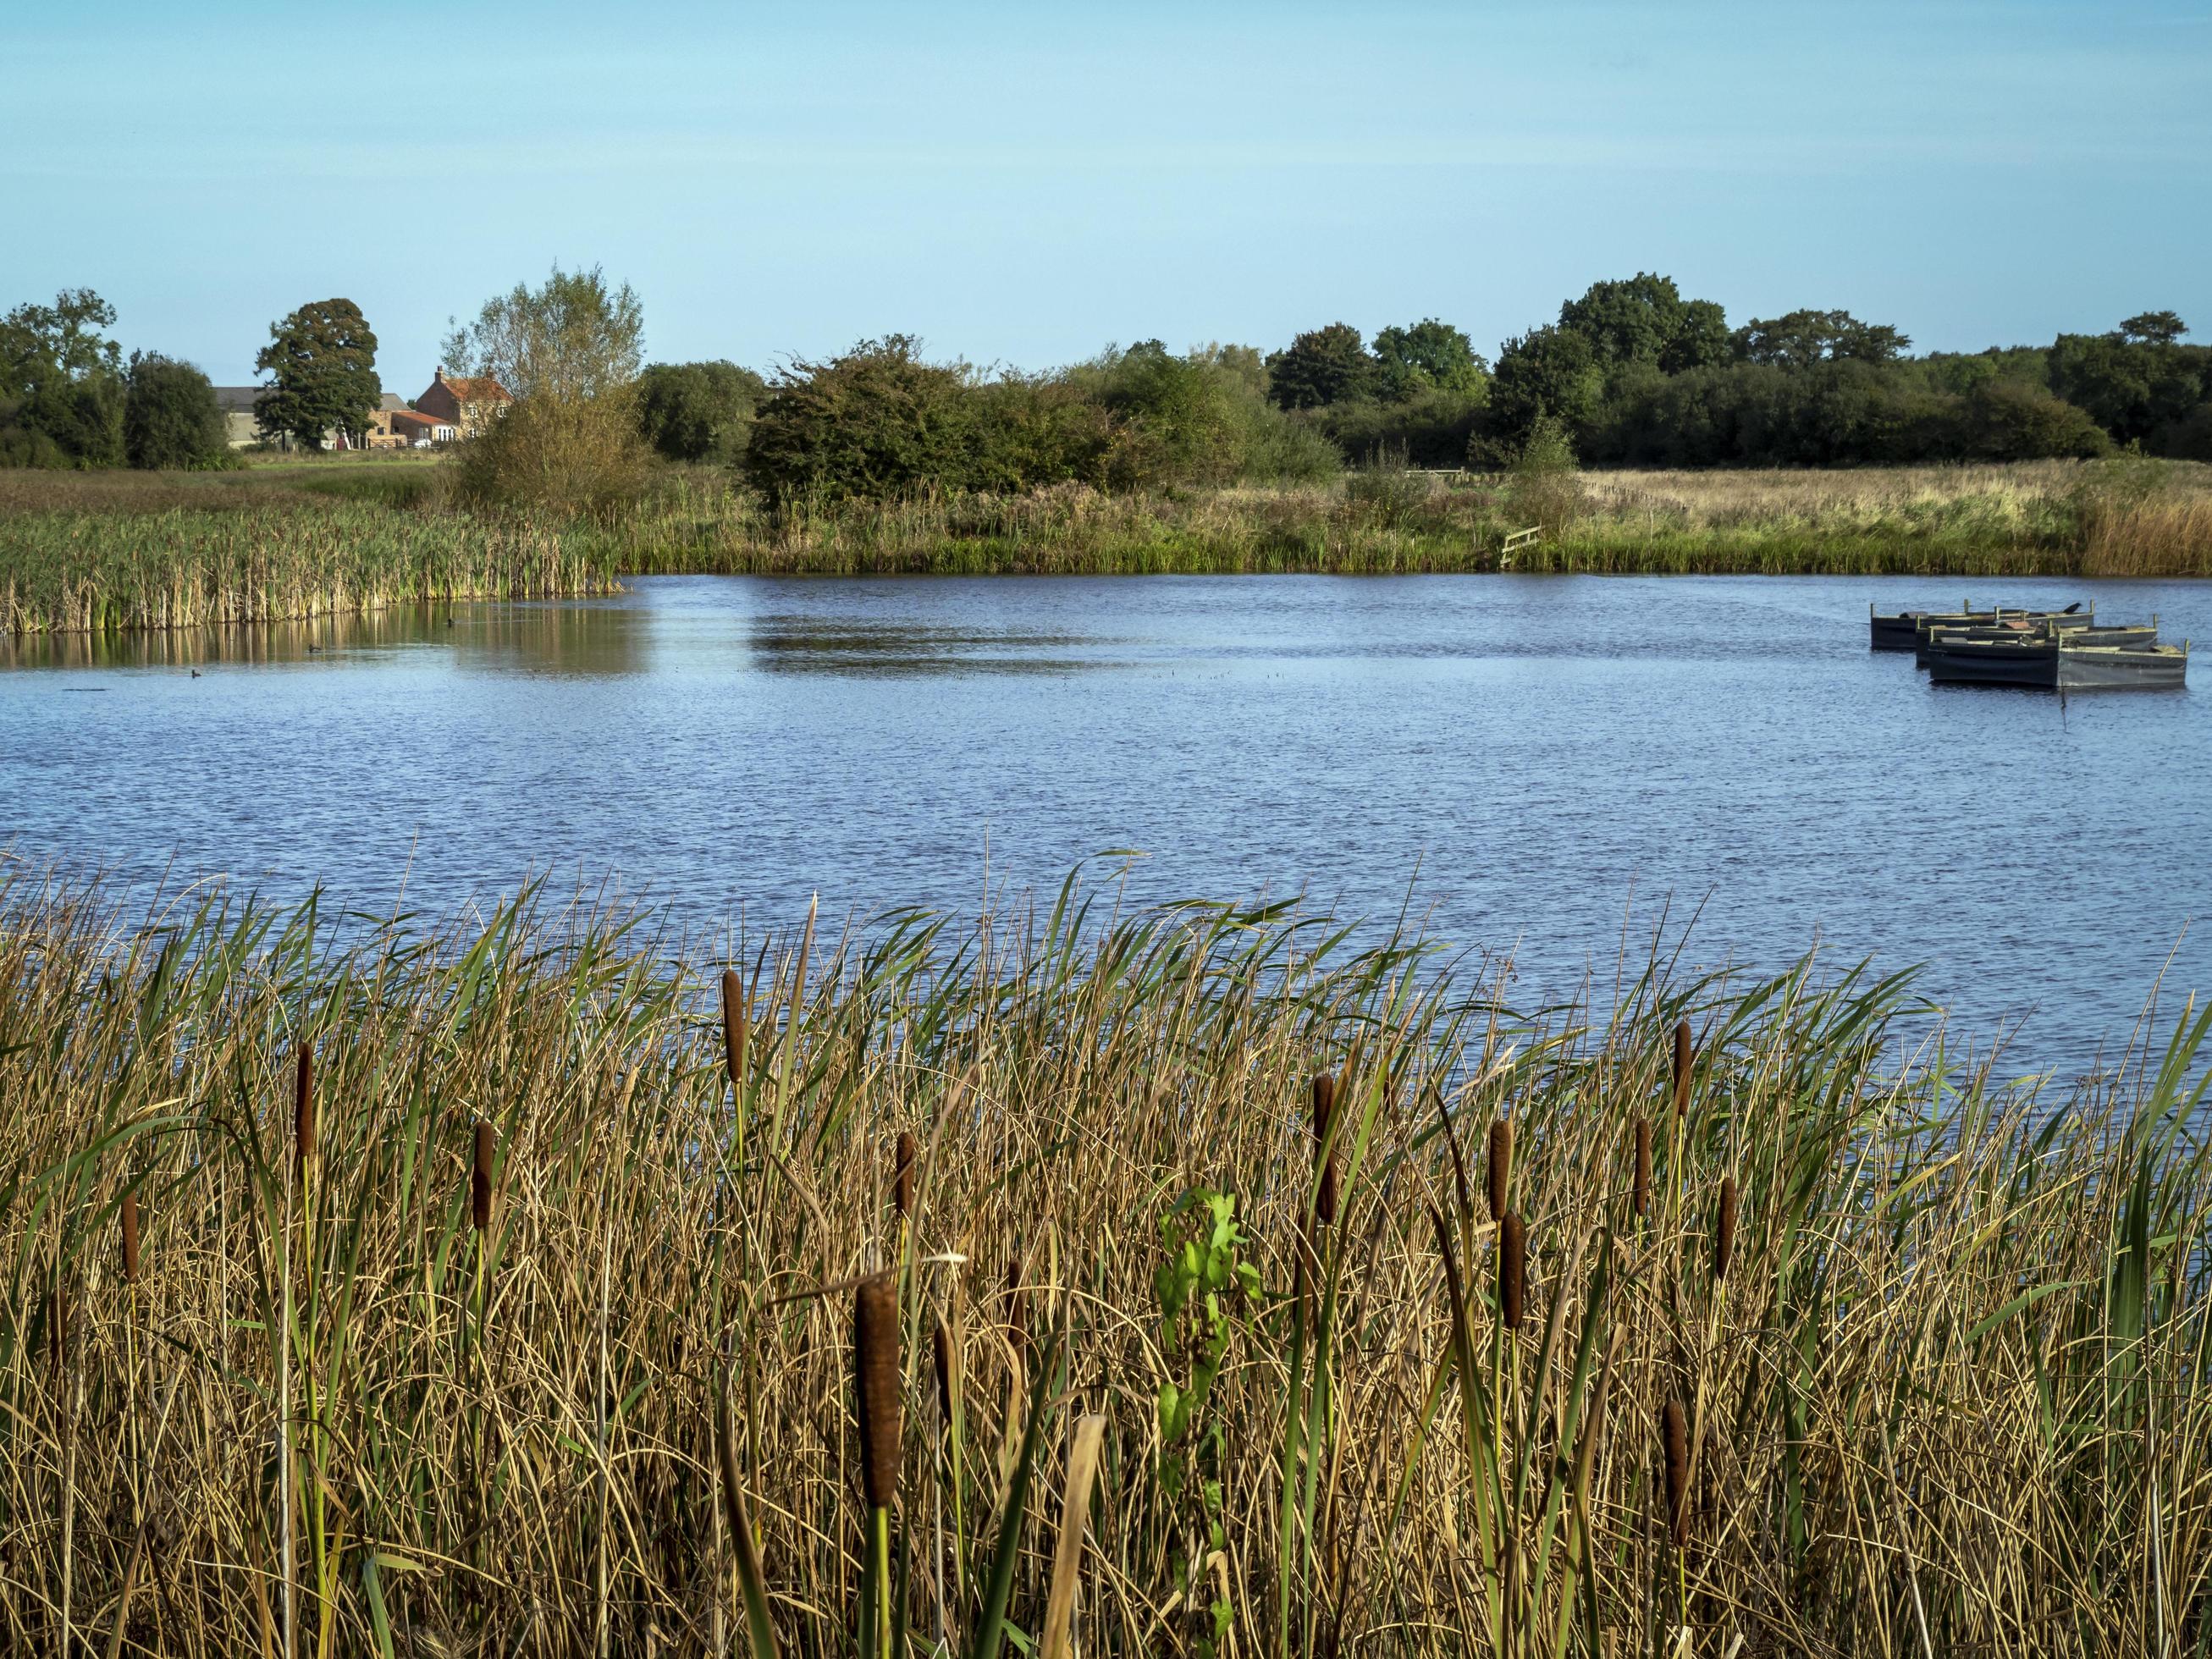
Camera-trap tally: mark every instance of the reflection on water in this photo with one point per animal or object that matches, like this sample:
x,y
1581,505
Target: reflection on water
x,y
583,638
798,643
258,643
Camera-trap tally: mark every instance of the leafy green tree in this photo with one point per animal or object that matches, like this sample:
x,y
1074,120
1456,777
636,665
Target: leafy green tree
x,y
2131,389
170,416
2007,419
1322,367
1429,355
1176,419
2153,328
1032,430
876,421
698,411
568,351
1645,319
323,360
1801,338
1245,365
60,384
1551,370
572,336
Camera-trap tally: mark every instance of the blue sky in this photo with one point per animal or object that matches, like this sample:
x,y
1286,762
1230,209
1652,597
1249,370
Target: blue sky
x,y
1023,184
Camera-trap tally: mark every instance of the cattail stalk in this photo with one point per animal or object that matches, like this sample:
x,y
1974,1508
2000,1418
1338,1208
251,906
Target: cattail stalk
x,y
1324,1120
480,1179
1685,1056
876,1387
1642,1197
733,1029
1675,1444
1325,1092
131,1238
303,1109
902,1173
875,1383
1501,1168
1512,1270
1724,1230
945,1364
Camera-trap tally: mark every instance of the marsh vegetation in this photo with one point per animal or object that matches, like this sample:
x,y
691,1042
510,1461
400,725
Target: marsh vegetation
x,y
1223,1283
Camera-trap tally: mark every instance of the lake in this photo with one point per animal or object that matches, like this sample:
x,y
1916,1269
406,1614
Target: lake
x,y
1533,763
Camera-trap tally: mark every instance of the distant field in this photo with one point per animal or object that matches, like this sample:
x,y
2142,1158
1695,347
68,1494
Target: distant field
x,y
123,549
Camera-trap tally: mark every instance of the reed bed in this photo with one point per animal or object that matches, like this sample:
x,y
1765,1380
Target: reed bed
x,y
2040,518
185,567
88,553
1241,1290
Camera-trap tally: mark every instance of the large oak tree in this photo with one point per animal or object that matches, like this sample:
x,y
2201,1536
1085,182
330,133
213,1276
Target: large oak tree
x,y
324,360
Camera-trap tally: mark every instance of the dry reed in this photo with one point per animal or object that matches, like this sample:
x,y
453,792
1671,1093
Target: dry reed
x,y
1957,1369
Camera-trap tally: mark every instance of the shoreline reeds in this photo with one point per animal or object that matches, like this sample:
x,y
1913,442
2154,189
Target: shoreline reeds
x,y
1902,1329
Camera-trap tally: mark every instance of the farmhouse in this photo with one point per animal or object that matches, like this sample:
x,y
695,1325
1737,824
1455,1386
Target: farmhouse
x,y
467,405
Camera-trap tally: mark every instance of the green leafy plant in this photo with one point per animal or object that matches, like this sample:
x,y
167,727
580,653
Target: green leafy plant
x,y
1203,1279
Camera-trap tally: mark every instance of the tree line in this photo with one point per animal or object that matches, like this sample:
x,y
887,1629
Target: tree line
x,y
1630,372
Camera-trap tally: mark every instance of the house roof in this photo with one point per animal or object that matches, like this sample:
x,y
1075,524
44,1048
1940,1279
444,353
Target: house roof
x,y
392,400
481,386
416,418
236,399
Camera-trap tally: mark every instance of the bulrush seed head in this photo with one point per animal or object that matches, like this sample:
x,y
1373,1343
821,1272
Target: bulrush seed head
x,y
1674,1445
876,1386
480,1178
902,1173
1501,1168
1512,1270
941,1339
1684,1057
1642,1199
1324,1115
1724,1230
131,1238
734,1027
303,1108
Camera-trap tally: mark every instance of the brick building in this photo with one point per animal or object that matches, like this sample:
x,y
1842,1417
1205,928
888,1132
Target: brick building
x,y
467,405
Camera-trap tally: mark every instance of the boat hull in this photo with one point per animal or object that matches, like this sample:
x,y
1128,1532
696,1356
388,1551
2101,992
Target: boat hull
x,y
2164,668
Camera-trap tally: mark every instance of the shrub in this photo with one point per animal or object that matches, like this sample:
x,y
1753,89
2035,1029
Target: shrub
x,y
569,454
698,411
170,417
877,420
1546,489
2006,419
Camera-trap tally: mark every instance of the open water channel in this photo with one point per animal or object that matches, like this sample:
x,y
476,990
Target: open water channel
x,y
1533,764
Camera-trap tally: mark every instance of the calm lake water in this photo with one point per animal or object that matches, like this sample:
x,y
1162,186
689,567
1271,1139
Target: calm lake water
x,y
1534,761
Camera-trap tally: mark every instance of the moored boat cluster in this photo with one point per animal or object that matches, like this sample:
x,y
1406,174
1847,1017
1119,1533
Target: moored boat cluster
x,y
2067,650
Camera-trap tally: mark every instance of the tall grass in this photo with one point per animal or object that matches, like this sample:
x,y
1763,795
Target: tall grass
x,y
184,568
87,552
2042,519
586,1383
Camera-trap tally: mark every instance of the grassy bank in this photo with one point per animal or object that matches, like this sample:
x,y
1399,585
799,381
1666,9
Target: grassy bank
x,y
2042,519
486,1294
301,538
